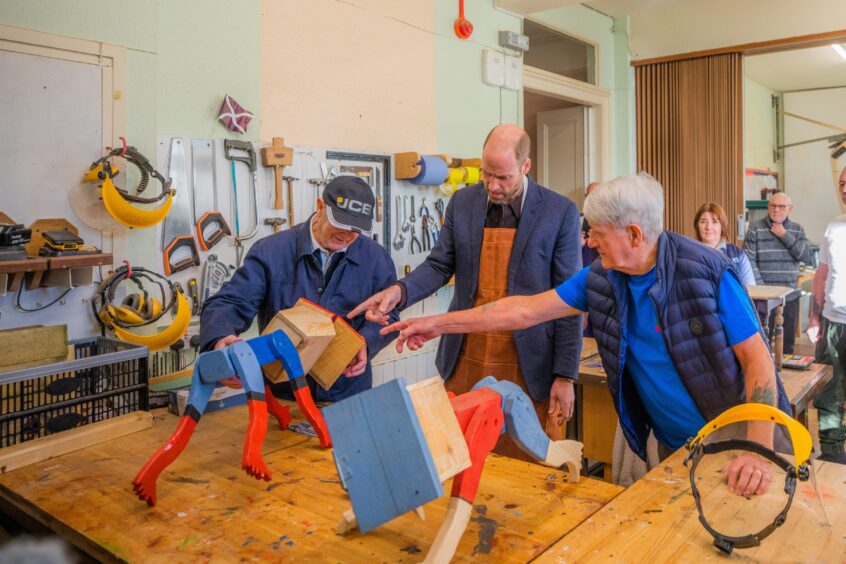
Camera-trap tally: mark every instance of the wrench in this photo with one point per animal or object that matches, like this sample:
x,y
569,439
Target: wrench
x,y
405,223
399,240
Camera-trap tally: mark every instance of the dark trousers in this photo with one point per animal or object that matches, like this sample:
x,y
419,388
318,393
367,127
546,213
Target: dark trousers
x,y
791,318
831,349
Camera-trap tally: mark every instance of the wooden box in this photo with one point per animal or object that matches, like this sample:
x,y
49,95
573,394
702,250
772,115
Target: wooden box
x,y
325,342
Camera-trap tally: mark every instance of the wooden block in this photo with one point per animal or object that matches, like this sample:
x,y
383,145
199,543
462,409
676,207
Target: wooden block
x,y
277,154
310,331
381,454
39,226
44,448
406,165
32,346
440,427
341,350
6,219
171,381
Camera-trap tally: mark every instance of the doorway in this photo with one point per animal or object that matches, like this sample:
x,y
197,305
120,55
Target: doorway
x,y
560,133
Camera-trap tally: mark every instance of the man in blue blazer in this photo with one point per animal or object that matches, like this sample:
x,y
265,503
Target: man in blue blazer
x,y
506,235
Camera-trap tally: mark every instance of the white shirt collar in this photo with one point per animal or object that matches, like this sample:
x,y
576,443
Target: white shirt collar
x,y
326,255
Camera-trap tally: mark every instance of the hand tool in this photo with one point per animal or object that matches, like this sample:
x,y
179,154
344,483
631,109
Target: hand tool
x,y
424,231
277,155
407,269
205,195
399,240
405,222
290,181
414,240
439,207
195,298
178,231
215,274
413,219
275,222
231,149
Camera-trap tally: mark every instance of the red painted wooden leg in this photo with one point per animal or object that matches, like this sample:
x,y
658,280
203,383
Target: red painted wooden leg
x,y
251,460
303,396
144,483
282,413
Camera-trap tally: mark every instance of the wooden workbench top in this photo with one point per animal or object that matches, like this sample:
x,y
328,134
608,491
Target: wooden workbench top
x,y
209,509
655,520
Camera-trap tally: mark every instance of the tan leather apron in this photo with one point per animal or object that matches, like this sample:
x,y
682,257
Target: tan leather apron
x,y
494,353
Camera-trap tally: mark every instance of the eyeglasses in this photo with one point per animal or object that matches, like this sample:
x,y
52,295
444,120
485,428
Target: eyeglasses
x,y
778,206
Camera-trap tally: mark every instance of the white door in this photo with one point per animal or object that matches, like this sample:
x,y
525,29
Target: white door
x,y
563,153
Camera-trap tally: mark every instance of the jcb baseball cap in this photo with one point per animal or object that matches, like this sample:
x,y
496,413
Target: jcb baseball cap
x,y
349,204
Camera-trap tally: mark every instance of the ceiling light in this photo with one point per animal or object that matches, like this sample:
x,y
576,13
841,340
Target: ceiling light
x,y
840,50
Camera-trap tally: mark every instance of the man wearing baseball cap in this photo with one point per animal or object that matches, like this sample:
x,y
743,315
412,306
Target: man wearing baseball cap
x,y
329,259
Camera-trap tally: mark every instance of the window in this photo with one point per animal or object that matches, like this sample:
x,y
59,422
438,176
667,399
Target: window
x,y
553,51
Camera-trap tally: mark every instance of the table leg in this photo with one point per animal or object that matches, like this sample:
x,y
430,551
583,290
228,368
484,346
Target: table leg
x,y
779,335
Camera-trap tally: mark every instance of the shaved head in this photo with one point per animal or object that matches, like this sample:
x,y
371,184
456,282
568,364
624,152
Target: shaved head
x,y
512,136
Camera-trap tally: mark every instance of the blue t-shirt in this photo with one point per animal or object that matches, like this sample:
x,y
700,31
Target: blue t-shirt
x,y
648,361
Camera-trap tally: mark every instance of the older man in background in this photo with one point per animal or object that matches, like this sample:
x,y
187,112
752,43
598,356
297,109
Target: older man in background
x,y
775,246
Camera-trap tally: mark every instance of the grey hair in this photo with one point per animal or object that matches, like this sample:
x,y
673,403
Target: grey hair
x,y
633,198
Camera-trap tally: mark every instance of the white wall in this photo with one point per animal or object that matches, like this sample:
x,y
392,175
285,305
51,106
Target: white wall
x,y
759,130
807,168
695,25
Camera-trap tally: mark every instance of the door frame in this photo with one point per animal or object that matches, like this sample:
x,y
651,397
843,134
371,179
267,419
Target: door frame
x,y
554,85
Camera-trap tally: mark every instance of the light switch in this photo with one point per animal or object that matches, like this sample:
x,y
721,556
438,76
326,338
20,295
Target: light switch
x,y
493,68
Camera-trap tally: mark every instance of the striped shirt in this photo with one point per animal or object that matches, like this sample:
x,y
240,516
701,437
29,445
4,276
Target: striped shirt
x,y
775,260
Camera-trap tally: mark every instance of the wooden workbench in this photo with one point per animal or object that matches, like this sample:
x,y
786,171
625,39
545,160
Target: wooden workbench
x,y
655,520
209,509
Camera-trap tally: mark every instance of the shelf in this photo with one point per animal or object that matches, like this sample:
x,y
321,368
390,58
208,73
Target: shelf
x,y
64,272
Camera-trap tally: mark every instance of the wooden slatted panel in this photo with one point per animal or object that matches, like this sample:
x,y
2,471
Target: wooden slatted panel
x,y
689,135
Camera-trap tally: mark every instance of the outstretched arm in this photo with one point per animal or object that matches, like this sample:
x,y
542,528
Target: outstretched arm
x,y
507,314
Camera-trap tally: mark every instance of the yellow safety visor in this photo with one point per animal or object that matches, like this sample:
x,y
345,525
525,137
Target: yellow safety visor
x,y
799,435
162,339
126,213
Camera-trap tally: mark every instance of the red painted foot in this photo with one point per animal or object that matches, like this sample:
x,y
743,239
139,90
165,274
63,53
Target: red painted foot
x,y
144,483
282,413
251,460
306,403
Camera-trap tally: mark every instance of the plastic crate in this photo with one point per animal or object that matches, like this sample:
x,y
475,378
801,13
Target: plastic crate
x,y
108,378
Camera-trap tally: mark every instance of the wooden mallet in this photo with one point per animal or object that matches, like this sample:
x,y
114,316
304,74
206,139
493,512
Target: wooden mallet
x,y
277,155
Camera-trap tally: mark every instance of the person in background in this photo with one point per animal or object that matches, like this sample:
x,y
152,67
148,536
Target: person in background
x,y
827,328
328,259
711,226
775,246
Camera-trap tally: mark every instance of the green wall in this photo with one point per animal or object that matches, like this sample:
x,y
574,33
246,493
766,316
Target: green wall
x,y
467,108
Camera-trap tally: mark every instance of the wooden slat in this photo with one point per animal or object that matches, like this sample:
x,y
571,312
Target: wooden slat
x,y
440,427
38,450
32,346
689,119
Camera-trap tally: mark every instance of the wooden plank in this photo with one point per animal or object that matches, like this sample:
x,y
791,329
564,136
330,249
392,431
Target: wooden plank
x,y
208,507
24,265
382,454
802,386
599,422
440,427
45,448
171,381
32,346
339,353
655,520
79,261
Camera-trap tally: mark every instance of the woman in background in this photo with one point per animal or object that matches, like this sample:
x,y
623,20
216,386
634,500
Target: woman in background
x,y
711,225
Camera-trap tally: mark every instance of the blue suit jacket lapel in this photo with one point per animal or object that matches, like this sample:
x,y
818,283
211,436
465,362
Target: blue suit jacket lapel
x,y
528,218
477,232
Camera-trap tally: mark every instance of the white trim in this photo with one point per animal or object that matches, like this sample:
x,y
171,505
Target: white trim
x,y
550,84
